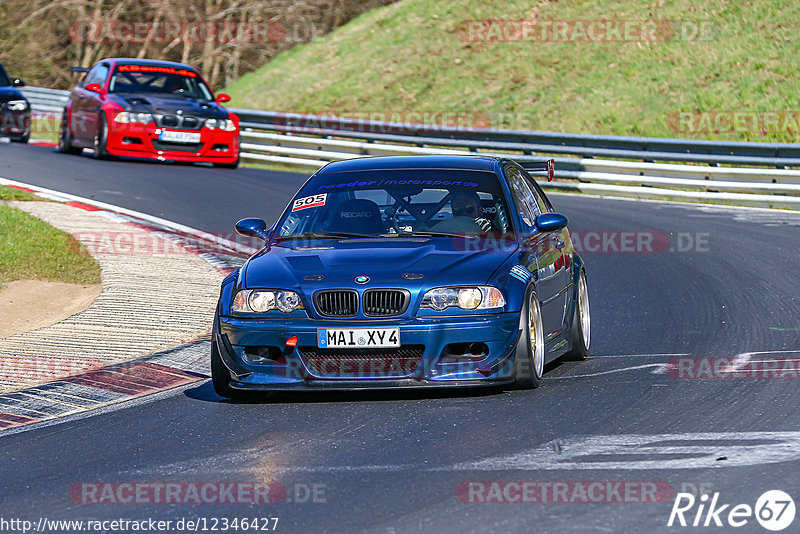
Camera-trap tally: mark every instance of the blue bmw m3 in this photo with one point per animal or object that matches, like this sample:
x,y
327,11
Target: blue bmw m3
x,y
393,272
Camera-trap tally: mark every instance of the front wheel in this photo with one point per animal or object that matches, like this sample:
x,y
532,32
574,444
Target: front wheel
x,y
65,137
221,377
529,359
101,140
581,328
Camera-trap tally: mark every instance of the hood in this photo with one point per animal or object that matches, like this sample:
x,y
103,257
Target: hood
x,y
8,92
166,104
427,262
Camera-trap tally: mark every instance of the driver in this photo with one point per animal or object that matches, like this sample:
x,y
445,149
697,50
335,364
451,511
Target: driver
x,y
173,85
468,204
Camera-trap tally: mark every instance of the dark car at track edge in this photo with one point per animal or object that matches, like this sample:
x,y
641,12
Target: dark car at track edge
x,y
15,110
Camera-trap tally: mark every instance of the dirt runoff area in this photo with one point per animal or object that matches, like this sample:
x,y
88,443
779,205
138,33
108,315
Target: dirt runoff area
x,y
26,305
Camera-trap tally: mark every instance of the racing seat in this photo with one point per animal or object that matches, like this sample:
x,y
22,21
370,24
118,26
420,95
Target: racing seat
x,y
358,216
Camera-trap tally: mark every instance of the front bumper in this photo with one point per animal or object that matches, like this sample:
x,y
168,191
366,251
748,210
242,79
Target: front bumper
x,y
238,339
142,141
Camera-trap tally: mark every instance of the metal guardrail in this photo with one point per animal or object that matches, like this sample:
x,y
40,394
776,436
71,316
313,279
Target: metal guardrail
x,y
46,101
762,177
308,142
528,142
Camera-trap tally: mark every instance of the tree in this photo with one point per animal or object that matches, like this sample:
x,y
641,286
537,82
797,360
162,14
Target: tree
x,y
42,39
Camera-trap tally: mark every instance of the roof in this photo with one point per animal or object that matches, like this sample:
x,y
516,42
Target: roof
x,y
148,62
477,163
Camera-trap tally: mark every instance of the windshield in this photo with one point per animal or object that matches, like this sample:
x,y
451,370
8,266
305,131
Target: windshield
x,y
398,202
165,80
4,77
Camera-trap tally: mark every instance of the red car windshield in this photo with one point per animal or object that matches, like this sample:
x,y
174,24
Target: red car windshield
x,y
164,80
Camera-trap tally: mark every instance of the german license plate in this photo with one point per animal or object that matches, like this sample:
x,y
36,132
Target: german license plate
x,y
179,137
358,338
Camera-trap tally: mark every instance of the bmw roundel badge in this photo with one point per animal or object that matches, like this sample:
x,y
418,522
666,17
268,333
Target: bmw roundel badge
x,y
362,279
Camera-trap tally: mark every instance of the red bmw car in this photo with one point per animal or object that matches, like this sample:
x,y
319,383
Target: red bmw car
x,y
149,109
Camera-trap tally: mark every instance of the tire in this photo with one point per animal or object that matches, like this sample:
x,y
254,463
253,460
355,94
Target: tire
x,y
65,138
101,140
24,139
581,327
220,376
529,359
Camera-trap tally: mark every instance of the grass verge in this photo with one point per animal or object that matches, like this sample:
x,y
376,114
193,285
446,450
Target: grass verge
x,y
45,128
418,55
31,249
11,193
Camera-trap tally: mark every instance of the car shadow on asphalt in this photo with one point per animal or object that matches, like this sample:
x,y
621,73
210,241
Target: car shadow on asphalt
x,y
205,392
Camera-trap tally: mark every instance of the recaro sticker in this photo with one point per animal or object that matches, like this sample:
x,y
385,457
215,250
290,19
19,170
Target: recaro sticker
x,y
314,201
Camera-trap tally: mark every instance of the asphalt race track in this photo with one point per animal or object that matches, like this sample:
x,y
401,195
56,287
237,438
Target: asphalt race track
x,y
720,283
201,197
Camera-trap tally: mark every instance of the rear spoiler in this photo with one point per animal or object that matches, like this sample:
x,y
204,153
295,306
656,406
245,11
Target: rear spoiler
x,y
548,166
80,69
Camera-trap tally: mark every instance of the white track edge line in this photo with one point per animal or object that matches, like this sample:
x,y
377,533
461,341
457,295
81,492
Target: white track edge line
x,y
136,214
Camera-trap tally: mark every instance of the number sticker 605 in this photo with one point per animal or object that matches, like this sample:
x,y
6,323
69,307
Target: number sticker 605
x,y
310,202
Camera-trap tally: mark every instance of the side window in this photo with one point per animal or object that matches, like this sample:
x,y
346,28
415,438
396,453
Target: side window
x,y
97,75
541,200
524,199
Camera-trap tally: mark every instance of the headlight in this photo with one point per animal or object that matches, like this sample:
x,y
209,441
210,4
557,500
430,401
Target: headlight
x,y
470,298
220,124
466,298
260,301
17,105
127,117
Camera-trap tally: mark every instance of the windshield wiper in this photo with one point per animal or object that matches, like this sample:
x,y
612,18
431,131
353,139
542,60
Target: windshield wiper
x,y
322,235
438,234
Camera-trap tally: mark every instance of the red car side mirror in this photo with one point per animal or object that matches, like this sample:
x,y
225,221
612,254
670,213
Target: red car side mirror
x,y
94,87
222,98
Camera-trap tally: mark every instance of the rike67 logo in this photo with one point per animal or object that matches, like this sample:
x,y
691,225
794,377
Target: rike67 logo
x,y
774,510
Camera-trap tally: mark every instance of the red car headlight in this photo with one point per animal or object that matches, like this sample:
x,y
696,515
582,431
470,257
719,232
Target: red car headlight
x,y
226,125
128,117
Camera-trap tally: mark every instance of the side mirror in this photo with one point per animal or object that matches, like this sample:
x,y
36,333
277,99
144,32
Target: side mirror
x,y
252,227
80,69
550,222
16,82
94,87
222,98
